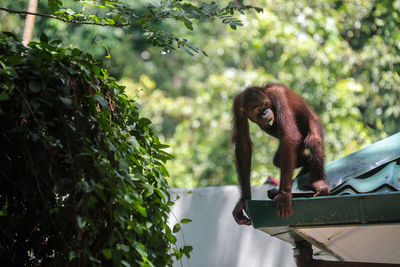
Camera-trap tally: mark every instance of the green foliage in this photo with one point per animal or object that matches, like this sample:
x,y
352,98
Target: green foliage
x,y
82,175
54,5
119,14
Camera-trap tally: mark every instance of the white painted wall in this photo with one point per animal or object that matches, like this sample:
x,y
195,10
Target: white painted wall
x,y
216,238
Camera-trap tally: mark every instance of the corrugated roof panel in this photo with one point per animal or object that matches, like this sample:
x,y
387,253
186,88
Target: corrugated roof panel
x,y
385,180
356,164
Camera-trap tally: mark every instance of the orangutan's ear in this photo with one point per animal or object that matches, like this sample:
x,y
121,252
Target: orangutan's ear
x,y
243,110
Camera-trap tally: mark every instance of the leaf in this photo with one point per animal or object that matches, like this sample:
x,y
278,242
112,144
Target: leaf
x,y
188,23
91,258
259,9
66,101
187,51
140,208
76,52
11,72
72,255
123,247
55,42
123,163
125,263
81,222
161,146
4,96
107,253
170,237
44,38
177,253
143,122
150,189
186,250
164,171
101,100
186,220
141,250
177,228
163,156
15,60
54,5
128,199
96,70
204,53
34,87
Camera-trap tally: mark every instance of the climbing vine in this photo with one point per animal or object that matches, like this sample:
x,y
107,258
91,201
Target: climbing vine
x,y
82,175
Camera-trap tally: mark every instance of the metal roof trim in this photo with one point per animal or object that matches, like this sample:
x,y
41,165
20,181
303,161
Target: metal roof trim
x,y
329,210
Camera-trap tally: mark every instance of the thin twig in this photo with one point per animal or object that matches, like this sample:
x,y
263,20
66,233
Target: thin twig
x,y
64,20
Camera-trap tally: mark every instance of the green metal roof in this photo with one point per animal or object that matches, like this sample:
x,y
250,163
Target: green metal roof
x,y
357,164
330,210
384,180
365,193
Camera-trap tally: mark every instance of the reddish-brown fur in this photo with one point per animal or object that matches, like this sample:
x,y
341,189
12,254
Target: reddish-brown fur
x,y
281,113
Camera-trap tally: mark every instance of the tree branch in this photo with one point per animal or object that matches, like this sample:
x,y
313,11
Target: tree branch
x,y
64,20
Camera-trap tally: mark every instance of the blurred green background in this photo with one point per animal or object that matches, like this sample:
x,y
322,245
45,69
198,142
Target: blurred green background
x,y
341,56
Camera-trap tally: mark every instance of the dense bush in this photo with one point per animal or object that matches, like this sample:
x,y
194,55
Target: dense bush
x,y
82,176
